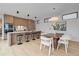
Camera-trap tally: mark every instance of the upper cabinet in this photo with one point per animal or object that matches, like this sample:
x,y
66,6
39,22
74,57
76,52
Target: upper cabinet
x,y
17,21
31,25
8,19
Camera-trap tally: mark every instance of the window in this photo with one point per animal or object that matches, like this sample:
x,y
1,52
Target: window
x,y
70,16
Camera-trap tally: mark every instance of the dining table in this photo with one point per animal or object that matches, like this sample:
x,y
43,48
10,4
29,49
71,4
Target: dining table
x,y
55,37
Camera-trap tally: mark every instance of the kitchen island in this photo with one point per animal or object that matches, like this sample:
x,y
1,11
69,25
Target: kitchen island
x,y
12,36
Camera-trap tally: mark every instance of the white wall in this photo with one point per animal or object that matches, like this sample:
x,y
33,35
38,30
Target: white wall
x,y
44,27
72,28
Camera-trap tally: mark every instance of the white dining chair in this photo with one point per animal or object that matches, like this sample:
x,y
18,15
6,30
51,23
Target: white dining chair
x,y
45,41
64,40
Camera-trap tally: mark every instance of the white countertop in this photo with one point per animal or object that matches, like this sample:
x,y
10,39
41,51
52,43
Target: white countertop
x,y
15,32
18,32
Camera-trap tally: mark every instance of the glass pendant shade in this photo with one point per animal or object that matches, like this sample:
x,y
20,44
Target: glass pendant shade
x,y
55,18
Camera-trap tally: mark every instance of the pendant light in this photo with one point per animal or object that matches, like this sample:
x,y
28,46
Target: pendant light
x,y
54,18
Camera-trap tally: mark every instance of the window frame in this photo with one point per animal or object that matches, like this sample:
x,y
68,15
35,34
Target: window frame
x,y
70,14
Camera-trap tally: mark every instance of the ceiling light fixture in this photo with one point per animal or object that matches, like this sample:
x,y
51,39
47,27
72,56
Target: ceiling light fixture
x,y
35,17
54,18
28,15
17,12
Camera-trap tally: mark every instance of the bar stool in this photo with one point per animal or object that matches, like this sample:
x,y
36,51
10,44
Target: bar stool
x,y
33,35
38,34
19,39
27,36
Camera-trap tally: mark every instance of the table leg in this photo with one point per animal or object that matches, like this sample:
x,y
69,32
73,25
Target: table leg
x,y
56,42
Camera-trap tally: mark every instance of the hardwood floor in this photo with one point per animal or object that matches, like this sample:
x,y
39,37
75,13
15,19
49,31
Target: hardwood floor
x,y
32,48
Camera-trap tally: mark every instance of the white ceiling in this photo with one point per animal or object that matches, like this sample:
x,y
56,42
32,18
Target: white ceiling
x,y
40,10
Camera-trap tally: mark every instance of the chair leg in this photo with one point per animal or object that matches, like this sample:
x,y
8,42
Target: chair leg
x,y
53,49
58,46
66,48
50,50
40,46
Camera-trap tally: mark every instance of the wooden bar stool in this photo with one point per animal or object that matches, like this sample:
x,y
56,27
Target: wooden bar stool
x,y
38,34
27,37
19,39
33,35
